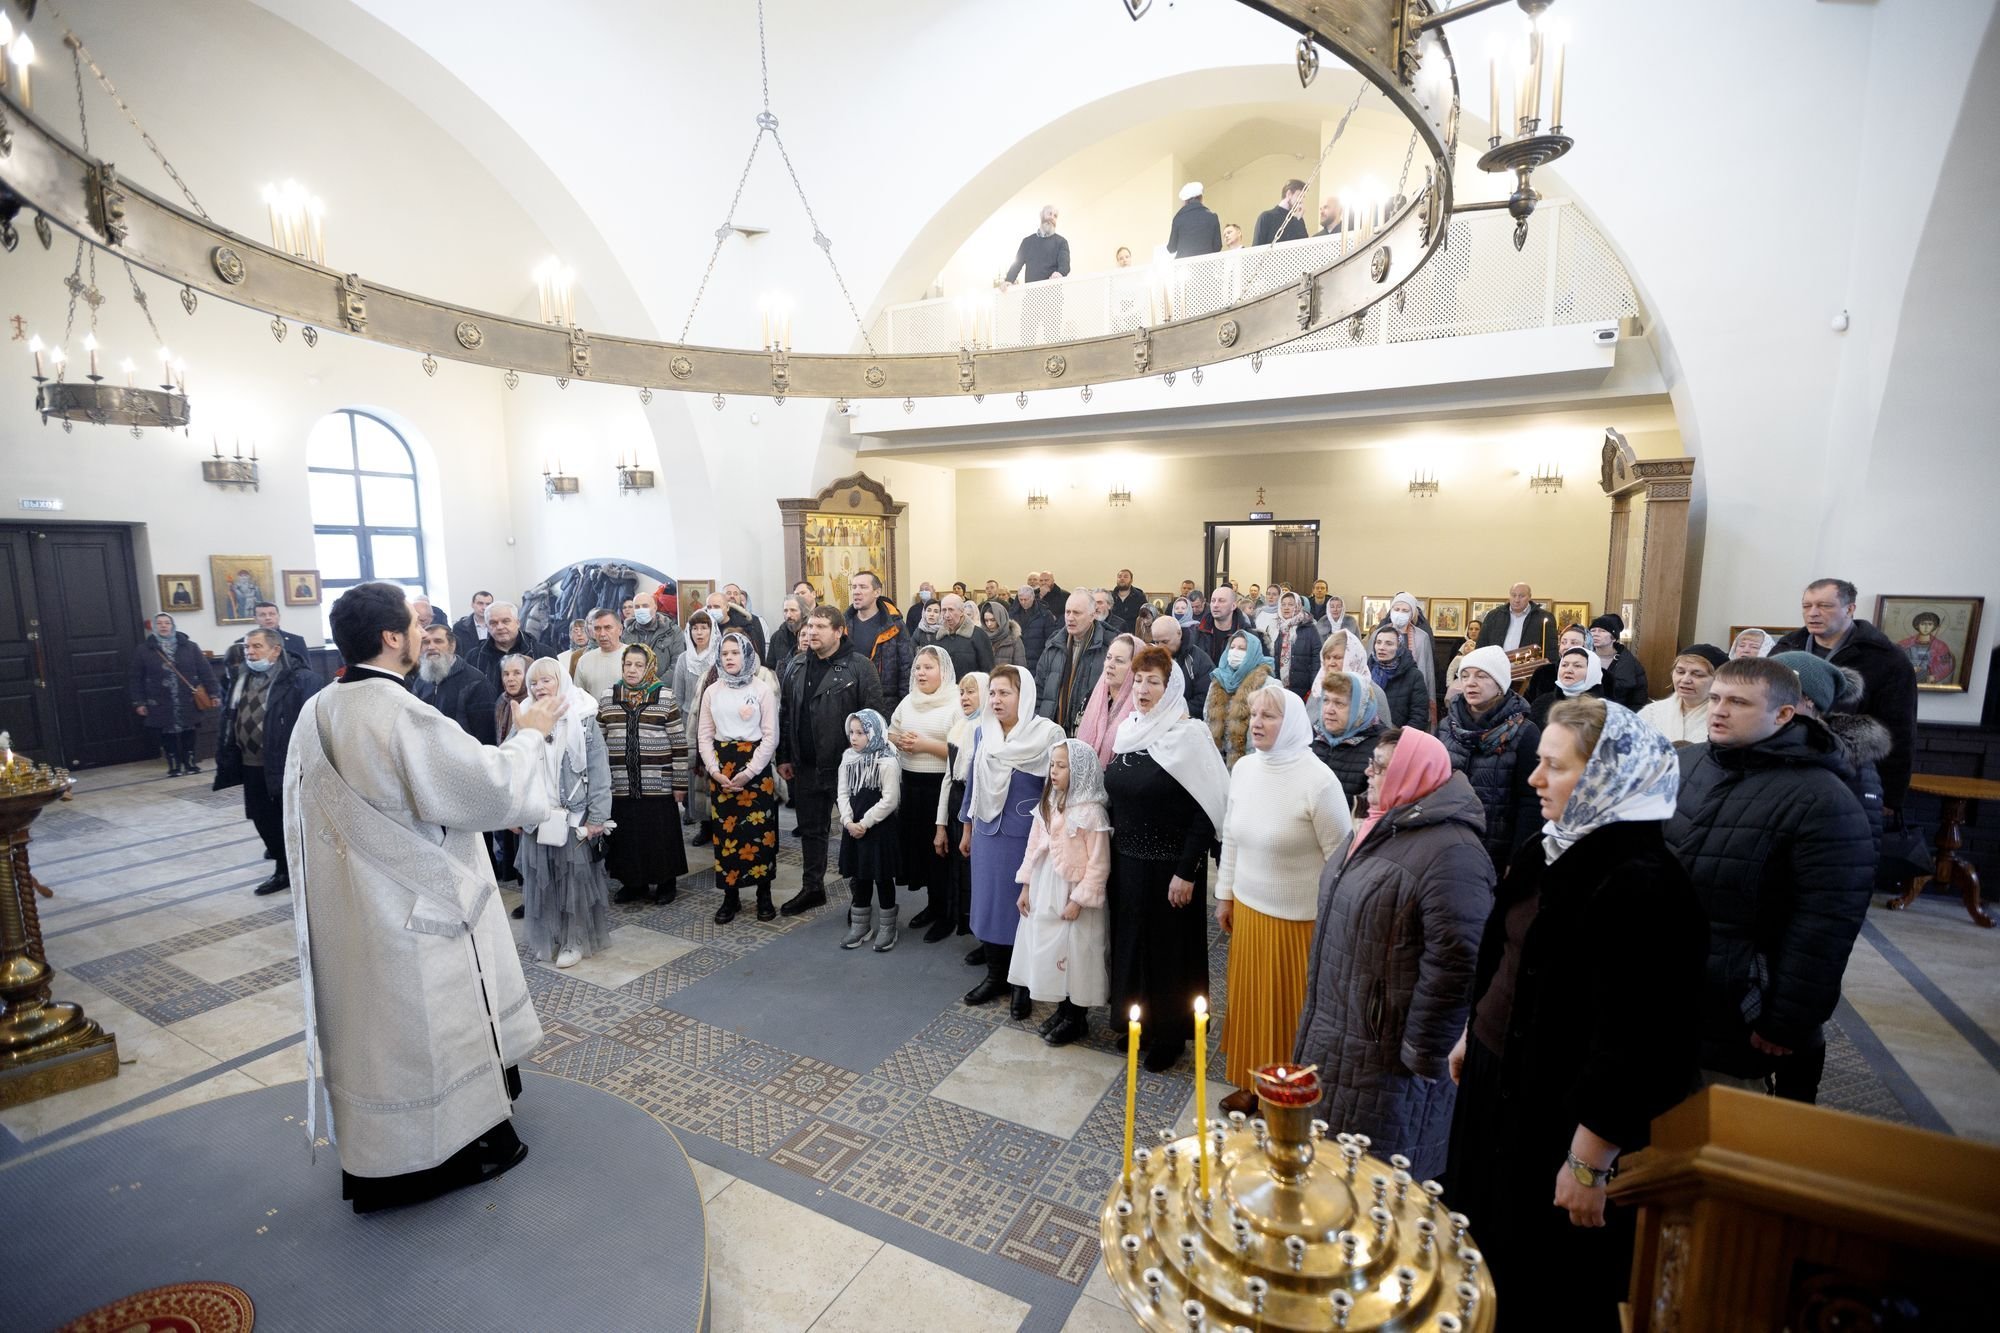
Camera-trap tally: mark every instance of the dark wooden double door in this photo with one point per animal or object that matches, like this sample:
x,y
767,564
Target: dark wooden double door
x,y
70,620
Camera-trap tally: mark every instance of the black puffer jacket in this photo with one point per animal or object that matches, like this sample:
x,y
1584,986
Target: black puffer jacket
x,y
1407,692
1049,670
1625,681
1890,696
285,695
847,684
1864,743
1496,753
1390,978
1349,760
1778,849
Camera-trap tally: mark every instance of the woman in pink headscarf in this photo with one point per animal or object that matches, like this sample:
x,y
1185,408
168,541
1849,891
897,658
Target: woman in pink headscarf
x,y
1401,907
1110,699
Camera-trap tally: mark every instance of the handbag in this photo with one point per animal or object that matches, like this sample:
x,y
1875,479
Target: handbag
x,y
203,700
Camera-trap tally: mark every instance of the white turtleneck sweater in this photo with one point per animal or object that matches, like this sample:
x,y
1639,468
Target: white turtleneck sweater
x,y
1284,820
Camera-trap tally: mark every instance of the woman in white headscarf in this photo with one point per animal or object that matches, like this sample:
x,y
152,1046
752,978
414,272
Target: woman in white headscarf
x,y
564,890
1010,761
1413,627
738,735
1287,815
951,799
1579,672
1168,789
1753,642
1572,1047
704,639
919,732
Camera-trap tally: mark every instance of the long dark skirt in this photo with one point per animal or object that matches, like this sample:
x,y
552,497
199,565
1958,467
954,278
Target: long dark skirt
x,y
746,822
1505,1186
959,869
1159,952
645,849
916,813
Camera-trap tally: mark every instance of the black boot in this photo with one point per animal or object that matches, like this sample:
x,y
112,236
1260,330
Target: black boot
x,y
803,901
173,758
928,914
629,893
1071,1024
188,765
940,910
706,835
666,893
994,984
1023,1005
977,955
765,911
731,905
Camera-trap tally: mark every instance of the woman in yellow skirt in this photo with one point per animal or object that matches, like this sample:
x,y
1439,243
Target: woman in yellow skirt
x,y
1286,817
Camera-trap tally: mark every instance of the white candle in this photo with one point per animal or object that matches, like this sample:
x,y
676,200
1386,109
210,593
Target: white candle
x,y
1556,96
166,368
90,346
1535,71
35,350
127,366
1493,77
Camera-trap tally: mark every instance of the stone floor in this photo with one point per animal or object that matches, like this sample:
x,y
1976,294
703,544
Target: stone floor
x,y
871,1152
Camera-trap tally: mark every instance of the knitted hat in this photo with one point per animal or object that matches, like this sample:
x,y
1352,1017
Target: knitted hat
x,y
1610,621
1819,680
1192,190
1707,652
1493,661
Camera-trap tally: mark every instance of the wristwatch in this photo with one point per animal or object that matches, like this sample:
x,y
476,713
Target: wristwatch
x,y
1588,1176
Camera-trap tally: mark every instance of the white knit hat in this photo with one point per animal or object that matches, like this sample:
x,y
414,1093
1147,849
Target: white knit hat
x,y
1192,190
1491,659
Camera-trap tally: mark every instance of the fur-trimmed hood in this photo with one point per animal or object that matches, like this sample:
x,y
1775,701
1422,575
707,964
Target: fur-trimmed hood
x,y
1862,739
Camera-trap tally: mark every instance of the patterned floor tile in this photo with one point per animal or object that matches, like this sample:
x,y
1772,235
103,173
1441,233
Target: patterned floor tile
x,y
1013,1153
957,1031
220,931
1081,1178
557,992
756,1125
915,1066
808,1084
1160,1099
753,1064
873,1105
697,1044
157,991
603,1010
590,1060
263,979
822,1151
1054,1239
676,1094
659,984
649,1028
942,1197
941,1128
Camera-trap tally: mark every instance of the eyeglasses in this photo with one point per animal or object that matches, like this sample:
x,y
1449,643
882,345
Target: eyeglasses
x,y
1376,768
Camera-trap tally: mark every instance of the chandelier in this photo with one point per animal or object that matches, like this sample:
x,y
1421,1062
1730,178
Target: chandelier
x,y
95,398
1397,46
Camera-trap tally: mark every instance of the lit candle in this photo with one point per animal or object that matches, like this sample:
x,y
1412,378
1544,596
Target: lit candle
x,y
166,369
1201,1085
90,346
35,350
1131,1086
765,308
181,377
1534,70
316,212
127,366
1556,96
58,358
22,52
1493,77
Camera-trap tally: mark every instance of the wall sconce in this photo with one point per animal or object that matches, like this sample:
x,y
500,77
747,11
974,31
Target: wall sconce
x,y
632,477
1424,484
1548,479
558,482
1038,498
237,471
1121,495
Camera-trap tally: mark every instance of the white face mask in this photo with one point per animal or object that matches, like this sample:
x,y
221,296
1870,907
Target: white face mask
x,y
1235,657
1400,619
642,615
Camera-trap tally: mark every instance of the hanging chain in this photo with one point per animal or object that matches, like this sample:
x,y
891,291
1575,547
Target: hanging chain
x,y
768,124
79,56
1409,156
1338,130
145,308
75,285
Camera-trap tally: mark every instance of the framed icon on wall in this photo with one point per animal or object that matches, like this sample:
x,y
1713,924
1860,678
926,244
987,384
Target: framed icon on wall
x,y
302,587
179,593
241,581
1570,613
1937,635
1448,615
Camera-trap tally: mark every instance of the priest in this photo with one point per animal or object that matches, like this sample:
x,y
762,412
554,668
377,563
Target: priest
x,y
417,1013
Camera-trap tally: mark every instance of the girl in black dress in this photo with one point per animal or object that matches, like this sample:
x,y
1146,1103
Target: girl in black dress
x,y
869,791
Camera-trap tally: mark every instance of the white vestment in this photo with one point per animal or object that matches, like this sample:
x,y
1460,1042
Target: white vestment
x,y
408,967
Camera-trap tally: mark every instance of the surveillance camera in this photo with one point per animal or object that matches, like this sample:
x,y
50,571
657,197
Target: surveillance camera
x,y
1605,337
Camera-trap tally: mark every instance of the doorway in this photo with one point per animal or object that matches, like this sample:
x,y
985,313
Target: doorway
x,y
69,624
1261,551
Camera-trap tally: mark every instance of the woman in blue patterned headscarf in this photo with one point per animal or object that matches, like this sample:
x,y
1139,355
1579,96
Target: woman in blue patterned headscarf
x,y
1587,1008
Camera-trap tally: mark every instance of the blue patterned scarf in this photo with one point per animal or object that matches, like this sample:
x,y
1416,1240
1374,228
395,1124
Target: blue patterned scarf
x,y
1632,776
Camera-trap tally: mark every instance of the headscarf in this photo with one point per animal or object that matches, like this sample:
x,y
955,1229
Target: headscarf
x,y
566,739
704,659
1181,745
963,726
1593,672
1351,656
165,645
1419,766
1103,713
1295,733
1229,677
649,686
1418,618
1384,672
1765,640
1004,627
1086,780
1025,750
747,672
1633,776
1183,611
866,762
946,694
1362,709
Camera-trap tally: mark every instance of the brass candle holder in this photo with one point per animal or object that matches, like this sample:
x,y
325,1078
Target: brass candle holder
x,y
46,1046
1289,1239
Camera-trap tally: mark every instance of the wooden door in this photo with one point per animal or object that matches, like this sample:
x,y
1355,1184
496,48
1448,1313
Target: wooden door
x,y
80,594
1295,559
27,708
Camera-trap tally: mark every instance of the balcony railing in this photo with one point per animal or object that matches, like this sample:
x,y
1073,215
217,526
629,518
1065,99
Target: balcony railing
x,y
1478,283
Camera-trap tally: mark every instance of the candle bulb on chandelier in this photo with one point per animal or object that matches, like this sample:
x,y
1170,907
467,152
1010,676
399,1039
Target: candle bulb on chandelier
x,y
1535,70
58,358
181,377
127,366
1556,95
6,37
35,350
1493,79
215,446
21,51
90,346
166,369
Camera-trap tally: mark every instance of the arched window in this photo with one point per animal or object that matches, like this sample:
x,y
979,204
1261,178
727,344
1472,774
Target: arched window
x,y
363,485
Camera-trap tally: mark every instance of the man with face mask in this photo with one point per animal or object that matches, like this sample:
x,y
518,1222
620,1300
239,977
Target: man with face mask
x,y
267,618
1223,621
653,627
255,735
448,684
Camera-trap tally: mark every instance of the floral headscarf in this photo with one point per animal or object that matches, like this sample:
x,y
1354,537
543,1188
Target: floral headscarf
x,y
650,684
1633,776
741,678
866,763
1363,711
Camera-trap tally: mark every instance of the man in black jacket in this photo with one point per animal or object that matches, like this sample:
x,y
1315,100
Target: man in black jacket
x,y
267,618
254,736
1522,623
448,684
820,688
1043,254
1196,666
1890,694
1033,618
1223,622
1125,603
504,638
1195,230
877,632
470,629
1070,664
1282,222
1778,849
964,640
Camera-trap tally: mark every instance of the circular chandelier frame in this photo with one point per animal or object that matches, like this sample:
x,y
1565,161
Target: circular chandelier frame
x,y
1397,45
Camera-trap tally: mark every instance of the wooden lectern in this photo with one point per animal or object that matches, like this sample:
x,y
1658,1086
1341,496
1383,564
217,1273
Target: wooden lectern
x,y
1761,1214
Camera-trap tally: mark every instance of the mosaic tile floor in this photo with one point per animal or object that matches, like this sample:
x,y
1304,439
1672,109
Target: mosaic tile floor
x,y
854,1086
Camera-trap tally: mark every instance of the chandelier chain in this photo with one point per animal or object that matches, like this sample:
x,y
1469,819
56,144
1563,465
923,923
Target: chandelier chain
x,y
75,285
1338,130
824,242
145,307
1409,156
722,232
80,55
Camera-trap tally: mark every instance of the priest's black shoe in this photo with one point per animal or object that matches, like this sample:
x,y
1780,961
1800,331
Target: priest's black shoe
x,y
520,912
803,901
1160,1059
277,883
499,1151
989,989
630,893
666,893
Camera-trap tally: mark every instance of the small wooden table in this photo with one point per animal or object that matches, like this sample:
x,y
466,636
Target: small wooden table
x,y
1951,868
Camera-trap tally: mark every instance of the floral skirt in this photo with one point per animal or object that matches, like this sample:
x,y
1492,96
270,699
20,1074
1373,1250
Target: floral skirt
x,y
746,822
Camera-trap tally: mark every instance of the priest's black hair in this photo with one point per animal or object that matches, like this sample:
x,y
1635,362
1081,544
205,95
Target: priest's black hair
x,y
363,615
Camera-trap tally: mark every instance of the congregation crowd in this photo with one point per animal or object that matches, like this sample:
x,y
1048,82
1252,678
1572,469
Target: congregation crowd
x,y
1510,905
